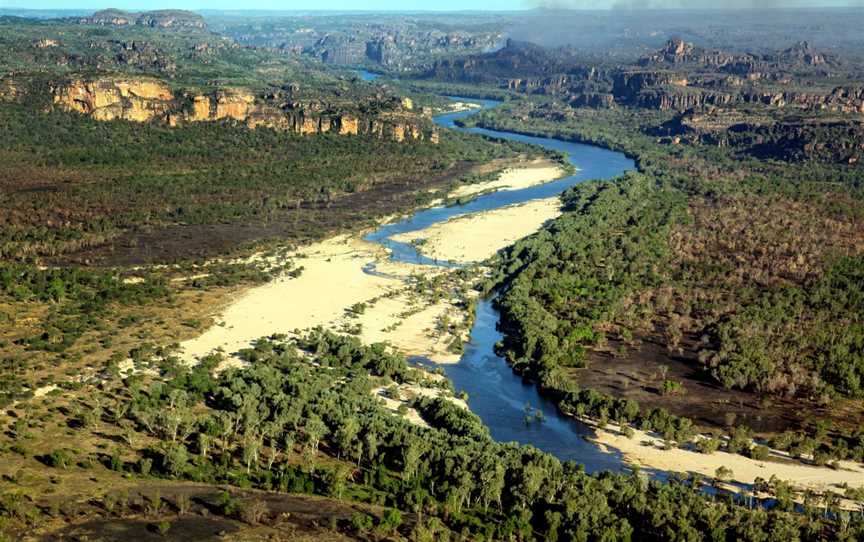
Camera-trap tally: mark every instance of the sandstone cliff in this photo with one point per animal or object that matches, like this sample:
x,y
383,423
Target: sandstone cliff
x,y
146,99
828,139
134,99
156,19
9,92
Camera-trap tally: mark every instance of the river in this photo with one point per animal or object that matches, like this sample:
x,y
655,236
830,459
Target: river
x,y
496,394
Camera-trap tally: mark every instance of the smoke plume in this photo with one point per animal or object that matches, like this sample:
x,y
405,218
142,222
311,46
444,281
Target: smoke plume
x,y
687,4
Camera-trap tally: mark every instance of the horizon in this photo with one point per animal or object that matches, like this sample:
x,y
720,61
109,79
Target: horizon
x,y
417,6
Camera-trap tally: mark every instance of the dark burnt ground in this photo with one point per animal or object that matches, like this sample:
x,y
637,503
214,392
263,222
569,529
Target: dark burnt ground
x,y
638,375
310,221
281,516
120,530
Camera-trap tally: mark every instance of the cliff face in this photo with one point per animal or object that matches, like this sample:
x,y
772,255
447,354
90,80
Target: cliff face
x,y
840,99
153,19
145,100
139,100
678,77
9,92
761,135
400,48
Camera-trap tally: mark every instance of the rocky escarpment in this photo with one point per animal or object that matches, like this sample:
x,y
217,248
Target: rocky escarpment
x,y
838,99
678,53
822,139
154,19
678,77
394,49
515,66
9,92
139,100
671,90
147,99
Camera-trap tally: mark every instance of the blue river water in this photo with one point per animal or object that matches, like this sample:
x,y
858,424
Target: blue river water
x,y
496,394
502,399
367,75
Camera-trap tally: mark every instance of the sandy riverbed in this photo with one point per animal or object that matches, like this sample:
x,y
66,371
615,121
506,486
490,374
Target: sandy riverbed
x,y
532,173
475,237
644,450
333,280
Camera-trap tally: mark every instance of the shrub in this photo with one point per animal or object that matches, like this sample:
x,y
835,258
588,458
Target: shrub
x,y
670,387
254,511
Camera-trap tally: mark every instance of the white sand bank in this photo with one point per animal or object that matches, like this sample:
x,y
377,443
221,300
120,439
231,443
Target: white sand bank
x,y
476,237
531,174
644,450
332,281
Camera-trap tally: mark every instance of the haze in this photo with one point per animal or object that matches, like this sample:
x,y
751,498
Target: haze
x,y
425,5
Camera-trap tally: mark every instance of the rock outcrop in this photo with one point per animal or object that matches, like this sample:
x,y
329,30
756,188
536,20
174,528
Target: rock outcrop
x,y
146,99
678,77
155,19
828,140
134,99
9,91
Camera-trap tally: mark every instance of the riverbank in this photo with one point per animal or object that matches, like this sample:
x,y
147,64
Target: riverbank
x,y
515,178
474,237
336,289
648,453
333,281
478,236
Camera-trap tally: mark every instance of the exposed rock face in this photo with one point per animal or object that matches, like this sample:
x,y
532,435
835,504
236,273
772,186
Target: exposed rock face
x,y
200,109
138,100
341,50
234,104
671,99
348,126
531,63
144,99
840,99
160,19
9,92
794,140
592,99
678,77
397,48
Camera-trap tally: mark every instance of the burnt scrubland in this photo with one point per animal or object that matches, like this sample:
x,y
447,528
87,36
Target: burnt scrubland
x,y
711,285
108,182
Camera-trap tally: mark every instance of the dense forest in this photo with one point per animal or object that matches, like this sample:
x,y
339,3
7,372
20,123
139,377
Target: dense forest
x,y
750,270
301,419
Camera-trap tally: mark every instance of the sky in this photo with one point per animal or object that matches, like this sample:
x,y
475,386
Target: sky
x,y
402,5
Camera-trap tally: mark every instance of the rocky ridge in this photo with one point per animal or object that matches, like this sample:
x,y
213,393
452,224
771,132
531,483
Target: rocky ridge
x,y
822,139
154,19
678,77
148,99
